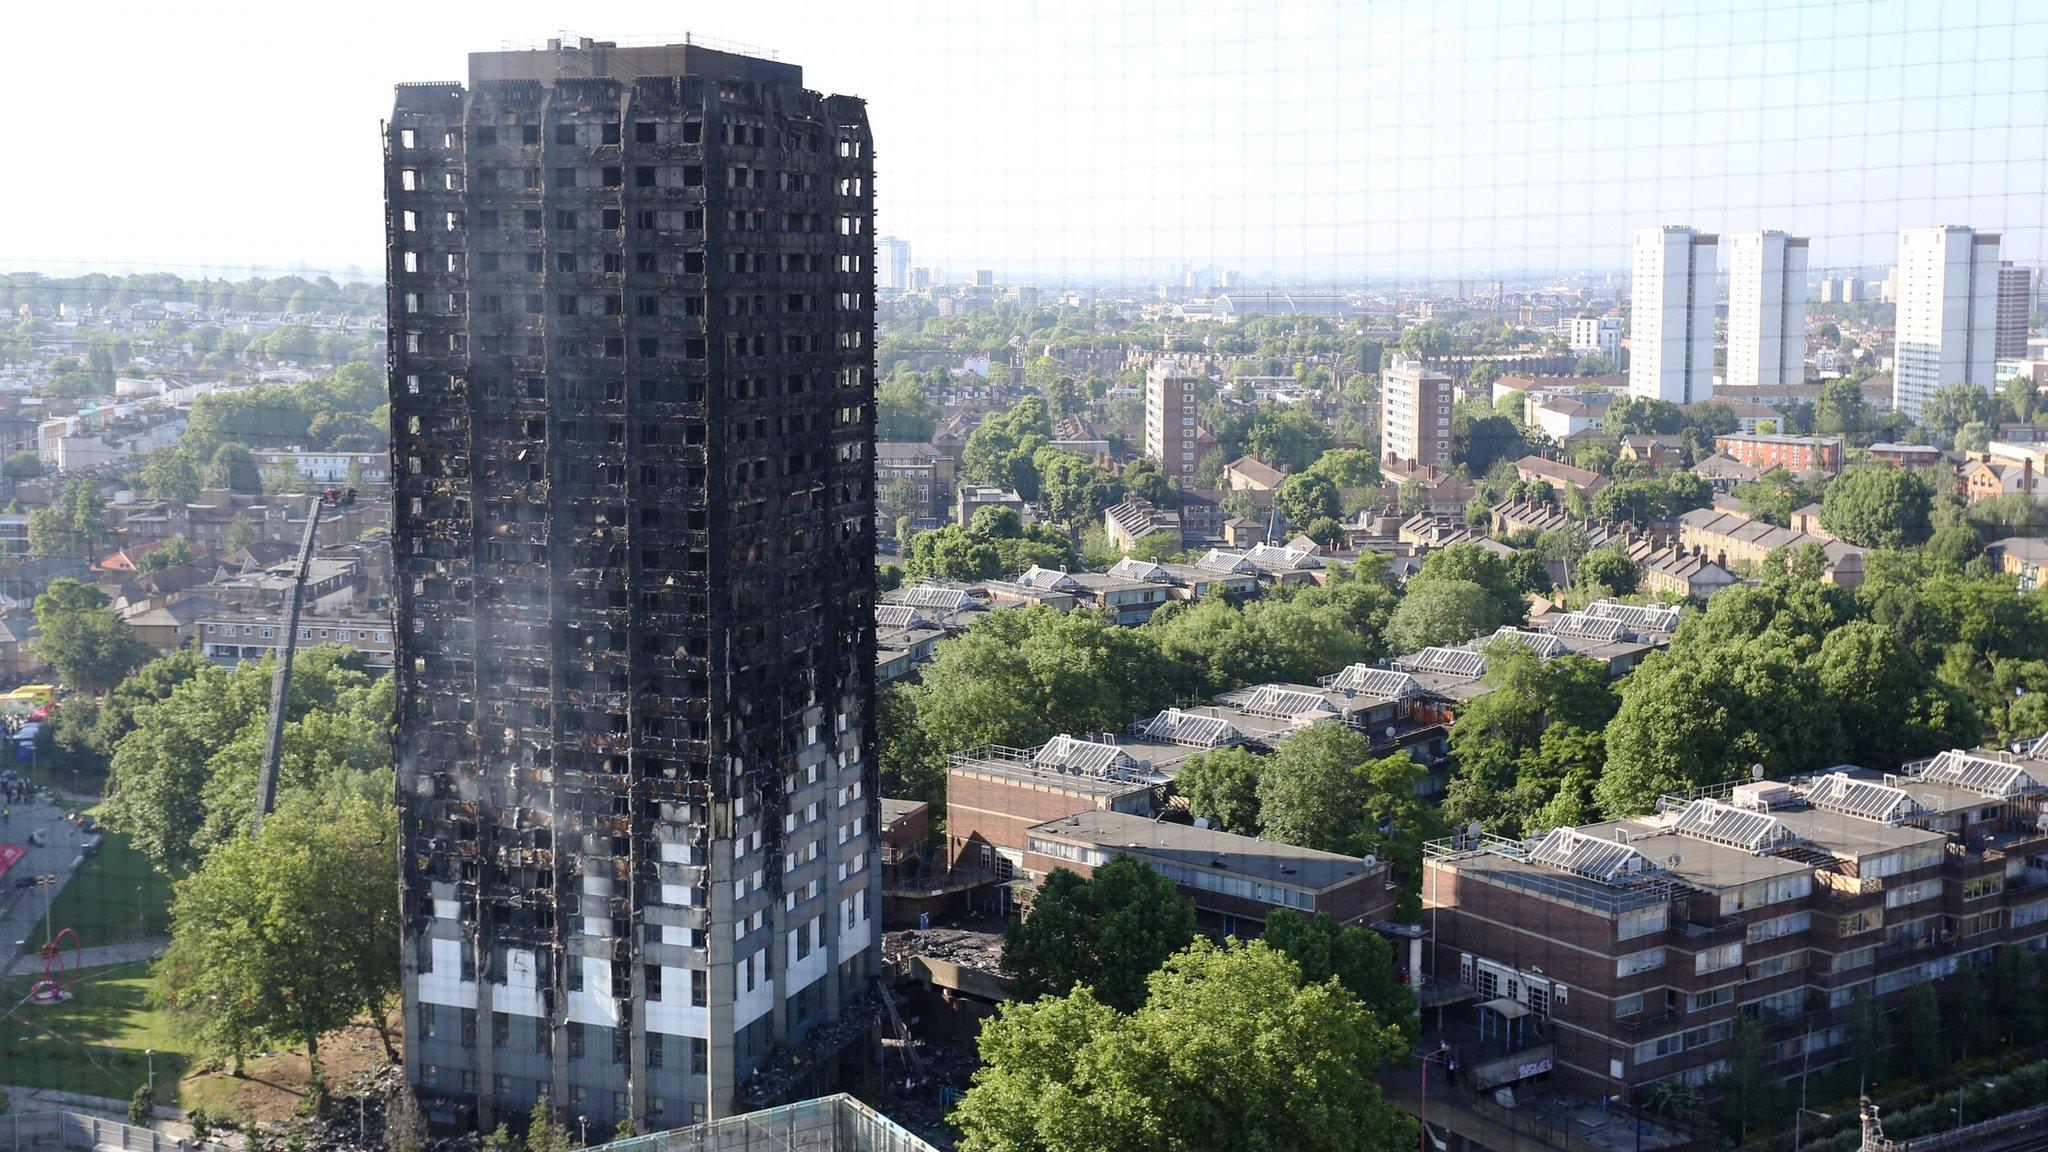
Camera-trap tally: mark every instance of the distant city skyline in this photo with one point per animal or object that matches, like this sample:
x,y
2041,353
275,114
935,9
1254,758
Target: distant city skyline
x,y
1114,143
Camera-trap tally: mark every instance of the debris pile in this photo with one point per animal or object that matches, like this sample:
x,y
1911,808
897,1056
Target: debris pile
x,y
966,947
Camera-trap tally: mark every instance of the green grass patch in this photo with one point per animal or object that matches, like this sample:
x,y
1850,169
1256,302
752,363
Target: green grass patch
x,y
115,897
95,1042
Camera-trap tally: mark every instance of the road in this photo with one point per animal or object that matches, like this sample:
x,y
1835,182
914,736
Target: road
x,y
22,909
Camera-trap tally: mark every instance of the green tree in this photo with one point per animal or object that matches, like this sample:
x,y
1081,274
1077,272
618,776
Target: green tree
x,y
2015,988
183,778
1891,708
1869,1034
1840,411
1107,933
22,465
1702,714
544,1131
1530,742
1306,497
1021,676
1484,567
1289,435
898,498
170,475
1230,1050
1324,789
1355,956
1311,793
1608,568
1954,405
1441,612
1348,468
72,526
1144,481
174,551
1223,788
1636,416
287,935
84,641
94,730
1921,1052
1711,418
240,533
903,411
1749,1091
234,468
1966,1020
1073,491
1000,450
1877,506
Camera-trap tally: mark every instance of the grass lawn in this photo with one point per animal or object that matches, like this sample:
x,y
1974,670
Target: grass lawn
x,y
94,1042
115,897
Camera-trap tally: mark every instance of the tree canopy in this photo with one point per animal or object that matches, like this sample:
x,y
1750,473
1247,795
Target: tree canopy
x,y
1231,1049
1107,932
1877,506
287,935
85,642
183,778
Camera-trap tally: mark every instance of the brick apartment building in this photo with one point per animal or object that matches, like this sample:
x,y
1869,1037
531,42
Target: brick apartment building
x,y
1630,946
1234,881
995,796
930,472
1795,454
1173,433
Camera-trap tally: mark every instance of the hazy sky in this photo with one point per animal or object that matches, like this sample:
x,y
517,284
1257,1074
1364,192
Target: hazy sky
x,y
1284,139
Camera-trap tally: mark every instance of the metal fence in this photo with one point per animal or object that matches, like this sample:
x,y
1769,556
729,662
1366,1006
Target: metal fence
x,y
828,1124
41,1131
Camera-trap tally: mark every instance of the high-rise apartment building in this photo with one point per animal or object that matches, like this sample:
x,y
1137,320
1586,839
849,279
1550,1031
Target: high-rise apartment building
x,y
1947,312
631,299
1173,433
1415,414
1766,309
1671,321
2015,308
892,264
1597,336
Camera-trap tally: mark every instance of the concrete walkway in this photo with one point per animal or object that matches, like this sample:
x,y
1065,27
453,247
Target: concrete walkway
x,y
169,1121
29,963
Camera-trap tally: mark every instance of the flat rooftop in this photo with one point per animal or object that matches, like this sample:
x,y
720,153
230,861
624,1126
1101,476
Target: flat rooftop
x,y
589,59
1699,863
1208,850
1028,766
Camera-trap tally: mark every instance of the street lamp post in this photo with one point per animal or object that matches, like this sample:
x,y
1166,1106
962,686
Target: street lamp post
x,y
1799,1116
1443,1055
150,1055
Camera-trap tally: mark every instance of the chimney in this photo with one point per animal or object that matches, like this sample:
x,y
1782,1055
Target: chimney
x,y
2027,475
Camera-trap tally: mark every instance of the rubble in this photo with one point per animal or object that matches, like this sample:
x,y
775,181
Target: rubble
x,y
967,947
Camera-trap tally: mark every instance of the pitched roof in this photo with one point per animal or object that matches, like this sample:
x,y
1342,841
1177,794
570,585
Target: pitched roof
x,y
1563,473
1257,471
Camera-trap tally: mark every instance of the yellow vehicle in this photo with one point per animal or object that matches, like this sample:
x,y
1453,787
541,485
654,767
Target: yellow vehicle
x,y
26,699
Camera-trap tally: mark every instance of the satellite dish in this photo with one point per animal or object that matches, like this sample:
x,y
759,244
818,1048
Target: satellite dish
x,y
1756,771
1474,828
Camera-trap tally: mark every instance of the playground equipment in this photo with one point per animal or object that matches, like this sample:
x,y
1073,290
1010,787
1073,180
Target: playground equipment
x,y
55,986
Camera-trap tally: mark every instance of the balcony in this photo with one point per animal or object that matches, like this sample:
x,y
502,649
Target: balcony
x,y
1642,1021
1698,934
1837,888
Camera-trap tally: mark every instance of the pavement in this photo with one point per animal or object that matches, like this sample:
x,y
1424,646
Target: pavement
x,y
31,961
22,909
169,1121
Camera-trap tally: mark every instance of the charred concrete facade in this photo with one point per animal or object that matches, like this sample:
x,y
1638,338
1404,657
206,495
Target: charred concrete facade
x,y
631,297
